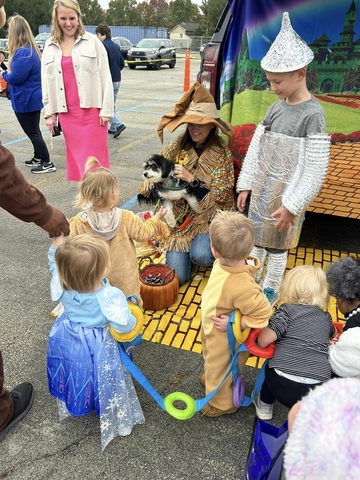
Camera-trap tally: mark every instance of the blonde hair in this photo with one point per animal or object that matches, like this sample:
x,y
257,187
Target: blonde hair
x,y
20,35
232,235
306,285
98,186
56,32
81,262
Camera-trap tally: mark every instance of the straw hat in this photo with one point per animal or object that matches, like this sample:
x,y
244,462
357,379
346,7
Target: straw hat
x,y
289,52
197,105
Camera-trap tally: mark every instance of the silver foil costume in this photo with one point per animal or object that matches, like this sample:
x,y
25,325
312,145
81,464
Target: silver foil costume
x,y
282,171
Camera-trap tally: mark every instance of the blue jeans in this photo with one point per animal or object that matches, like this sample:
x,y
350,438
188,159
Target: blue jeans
x,y
115,122
200,254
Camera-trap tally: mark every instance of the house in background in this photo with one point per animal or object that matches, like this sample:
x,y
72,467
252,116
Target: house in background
x,y
182,33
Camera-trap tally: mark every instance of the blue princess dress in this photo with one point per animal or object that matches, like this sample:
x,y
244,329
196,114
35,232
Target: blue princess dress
x,y
84,368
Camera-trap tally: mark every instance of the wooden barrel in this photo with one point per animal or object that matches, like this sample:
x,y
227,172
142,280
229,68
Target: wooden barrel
x,y
159,285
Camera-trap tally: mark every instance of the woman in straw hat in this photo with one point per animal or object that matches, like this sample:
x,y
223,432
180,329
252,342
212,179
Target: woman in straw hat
x,y
204,162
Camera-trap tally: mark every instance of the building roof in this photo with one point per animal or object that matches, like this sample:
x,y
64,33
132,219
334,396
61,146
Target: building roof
x,y
189,27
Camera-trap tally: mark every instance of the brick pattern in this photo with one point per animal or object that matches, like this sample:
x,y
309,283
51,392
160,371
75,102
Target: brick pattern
x,y
340,193
179,325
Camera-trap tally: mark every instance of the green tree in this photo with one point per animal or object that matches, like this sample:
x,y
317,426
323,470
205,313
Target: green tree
x,y
123,12
92,13
212,10
36,12
183,11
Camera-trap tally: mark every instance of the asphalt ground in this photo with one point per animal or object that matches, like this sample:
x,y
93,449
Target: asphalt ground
x,y
41,447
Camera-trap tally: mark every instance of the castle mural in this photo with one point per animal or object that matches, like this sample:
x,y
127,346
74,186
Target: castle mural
x,y
335,68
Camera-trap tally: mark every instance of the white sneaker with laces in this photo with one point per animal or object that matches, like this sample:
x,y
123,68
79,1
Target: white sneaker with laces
x,y
264,412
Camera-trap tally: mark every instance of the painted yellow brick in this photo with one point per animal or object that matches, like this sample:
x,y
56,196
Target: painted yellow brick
x,y
189,295
165,320
202,286
196,348
158,338
178,340
170,334
192,311
181,311
196,322
184,326
150,330
189,340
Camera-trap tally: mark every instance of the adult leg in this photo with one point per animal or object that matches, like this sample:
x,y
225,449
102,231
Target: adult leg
x,y
200,251
30,124
14,405
115,125
180,261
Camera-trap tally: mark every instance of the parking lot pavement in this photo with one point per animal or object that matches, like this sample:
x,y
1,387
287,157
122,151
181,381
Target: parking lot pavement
x,y
40,447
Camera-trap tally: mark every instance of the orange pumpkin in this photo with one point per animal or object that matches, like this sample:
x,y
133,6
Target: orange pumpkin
x,y
159,286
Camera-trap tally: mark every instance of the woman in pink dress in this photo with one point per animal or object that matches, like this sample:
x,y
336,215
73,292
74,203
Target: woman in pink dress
x,y
77,88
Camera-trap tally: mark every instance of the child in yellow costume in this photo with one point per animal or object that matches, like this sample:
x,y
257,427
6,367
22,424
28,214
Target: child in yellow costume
x,y
231,286
99,195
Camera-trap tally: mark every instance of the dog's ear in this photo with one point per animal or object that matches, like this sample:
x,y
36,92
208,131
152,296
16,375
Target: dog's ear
x,y
167,167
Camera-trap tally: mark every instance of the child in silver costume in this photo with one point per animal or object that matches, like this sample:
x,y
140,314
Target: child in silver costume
x,y
287,159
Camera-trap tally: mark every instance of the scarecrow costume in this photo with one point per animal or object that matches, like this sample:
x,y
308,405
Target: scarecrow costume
x,y
212,167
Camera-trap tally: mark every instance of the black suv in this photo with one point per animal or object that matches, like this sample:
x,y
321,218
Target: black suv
x,y
152,53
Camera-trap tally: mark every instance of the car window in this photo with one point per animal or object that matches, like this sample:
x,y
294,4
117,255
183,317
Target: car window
x,y
148,43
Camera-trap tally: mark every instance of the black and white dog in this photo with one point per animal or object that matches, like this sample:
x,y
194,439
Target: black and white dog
x,y
159,172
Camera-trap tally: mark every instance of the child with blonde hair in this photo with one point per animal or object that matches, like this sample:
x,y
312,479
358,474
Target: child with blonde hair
x,y
98,197
301,328
231,286
84,368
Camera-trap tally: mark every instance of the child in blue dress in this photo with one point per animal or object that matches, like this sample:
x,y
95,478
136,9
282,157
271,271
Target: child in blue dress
x,y
84,368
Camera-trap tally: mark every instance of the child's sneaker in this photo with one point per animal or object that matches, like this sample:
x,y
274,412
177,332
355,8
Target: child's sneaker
x,y
263,411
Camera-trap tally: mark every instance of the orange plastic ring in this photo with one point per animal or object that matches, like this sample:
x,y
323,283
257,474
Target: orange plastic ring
x,y
254,348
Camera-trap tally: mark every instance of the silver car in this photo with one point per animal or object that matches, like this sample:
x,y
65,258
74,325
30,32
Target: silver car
x,y
40,39
152,53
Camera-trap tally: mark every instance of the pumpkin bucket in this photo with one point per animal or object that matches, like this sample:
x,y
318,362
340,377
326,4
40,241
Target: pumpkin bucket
x,y
159,285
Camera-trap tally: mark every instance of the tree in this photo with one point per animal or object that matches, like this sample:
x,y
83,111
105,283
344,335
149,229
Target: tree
x,y
123,12
37,13
212,10
183,11
92,13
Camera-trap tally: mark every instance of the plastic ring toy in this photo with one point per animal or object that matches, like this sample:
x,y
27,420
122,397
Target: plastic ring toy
x,y
127,337
239,391
253,347
240,335
185,414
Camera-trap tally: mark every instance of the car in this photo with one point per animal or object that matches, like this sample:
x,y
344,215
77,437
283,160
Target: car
x,y
40,39
4,48
152,53
124,44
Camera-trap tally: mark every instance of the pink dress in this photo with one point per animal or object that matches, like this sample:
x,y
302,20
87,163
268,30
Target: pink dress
x,y
84,137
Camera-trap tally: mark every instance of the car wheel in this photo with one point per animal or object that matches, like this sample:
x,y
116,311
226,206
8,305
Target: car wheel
x,y
157,64
172,63
132,66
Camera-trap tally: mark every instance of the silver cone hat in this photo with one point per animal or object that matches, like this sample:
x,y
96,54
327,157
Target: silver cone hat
x,y
288,52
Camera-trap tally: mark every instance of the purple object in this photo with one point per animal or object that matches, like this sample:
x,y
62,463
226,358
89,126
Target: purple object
x,y
239,391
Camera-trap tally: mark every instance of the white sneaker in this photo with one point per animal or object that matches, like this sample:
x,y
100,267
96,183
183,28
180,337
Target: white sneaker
x,y
264,412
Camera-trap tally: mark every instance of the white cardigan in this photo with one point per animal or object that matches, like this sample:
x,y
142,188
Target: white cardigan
x,y
92,74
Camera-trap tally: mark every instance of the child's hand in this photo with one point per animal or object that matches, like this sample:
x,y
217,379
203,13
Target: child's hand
x,y
284,219
220,322
241,200
161,213
57,241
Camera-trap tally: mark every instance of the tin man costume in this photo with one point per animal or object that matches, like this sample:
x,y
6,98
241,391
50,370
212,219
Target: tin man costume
x,y
286,161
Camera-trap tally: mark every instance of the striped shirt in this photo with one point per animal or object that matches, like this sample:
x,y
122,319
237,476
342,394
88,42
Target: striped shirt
x,y
303,333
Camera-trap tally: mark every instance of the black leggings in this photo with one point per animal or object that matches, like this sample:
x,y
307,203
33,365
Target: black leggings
x,y
285,391
29,122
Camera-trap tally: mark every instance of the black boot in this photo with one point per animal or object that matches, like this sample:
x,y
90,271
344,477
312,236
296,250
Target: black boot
x,y
23,397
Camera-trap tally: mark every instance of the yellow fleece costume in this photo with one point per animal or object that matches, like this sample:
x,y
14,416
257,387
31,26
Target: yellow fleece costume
x,y
228,289
124,272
